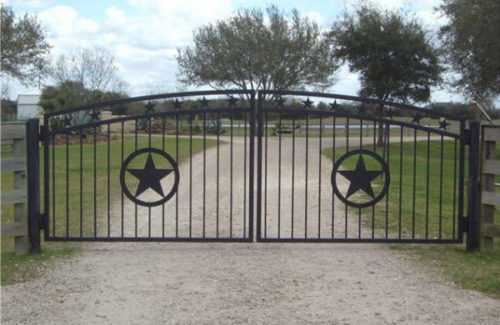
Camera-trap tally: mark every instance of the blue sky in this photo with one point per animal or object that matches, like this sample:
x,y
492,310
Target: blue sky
x,y
143,35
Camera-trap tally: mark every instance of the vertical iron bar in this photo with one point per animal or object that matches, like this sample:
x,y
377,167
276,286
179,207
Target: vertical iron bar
x,y
319,173
461,176
109,182
388,145
454,189
400,179
293,175
191,117
177,159
204,171
67,184
414,183
53,185
346,150
122,196
334,139
441,189
265,179
307,170
95,181
427,185
81,183
135,203
217,200
231,178
279,173
245,176
163,148
46,179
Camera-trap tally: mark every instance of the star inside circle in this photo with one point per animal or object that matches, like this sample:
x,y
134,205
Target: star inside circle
x,y
360,178
149,177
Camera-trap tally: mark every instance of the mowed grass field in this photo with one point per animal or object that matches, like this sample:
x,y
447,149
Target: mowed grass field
x,y
471,270
18,268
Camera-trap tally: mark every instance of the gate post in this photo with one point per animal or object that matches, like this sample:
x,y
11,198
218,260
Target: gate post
x,y
33,168
473,206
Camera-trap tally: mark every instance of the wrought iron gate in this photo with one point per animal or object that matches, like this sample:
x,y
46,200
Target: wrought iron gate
x,y
180,167
334,168
121,177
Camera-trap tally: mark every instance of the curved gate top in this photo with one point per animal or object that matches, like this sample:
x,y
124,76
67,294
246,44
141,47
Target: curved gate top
x,y
182,166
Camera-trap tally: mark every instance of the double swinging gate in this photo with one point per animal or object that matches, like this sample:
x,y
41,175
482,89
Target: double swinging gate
x,y
209,165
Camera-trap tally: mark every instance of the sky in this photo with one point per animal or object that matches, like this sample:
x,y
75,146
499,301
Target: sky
x,y
143,35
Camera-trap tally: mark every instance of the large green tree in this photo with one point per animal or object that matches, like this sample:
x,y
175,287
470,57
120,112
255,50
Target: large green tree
x,y
471,38
24,48
258,51
391,52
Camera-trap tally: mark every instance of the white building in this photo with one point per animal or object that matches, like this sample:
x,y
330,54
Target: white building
x,y
27,107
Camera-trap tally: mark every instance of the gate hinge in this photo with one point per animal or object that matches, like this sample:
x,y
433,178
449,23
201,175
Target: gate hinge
x,y
42,221
465,224
466,137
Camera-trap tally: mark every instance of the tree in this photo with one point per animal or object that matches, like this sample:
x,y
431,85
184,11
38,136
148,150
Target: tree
x,y
471,40
392,53
253,51
24,48
69,94
94,69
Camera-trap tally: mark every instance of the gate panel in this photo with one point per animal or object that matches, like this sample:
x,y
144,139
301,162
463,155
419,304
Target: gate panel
x,y
330,169
161,168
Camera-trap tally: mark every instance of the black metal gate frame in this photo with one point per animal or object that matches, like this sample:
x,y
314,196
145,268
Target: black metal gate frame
x,y
256,130
47,134
462,137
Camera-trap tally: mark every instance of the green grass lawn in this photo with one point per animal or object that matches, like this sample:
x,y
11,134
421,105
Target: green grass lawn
x,y
472,270
17,268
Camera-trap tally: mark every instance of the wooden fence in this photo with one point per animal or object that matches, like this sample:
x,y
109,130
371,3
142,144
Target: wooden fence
x,y
490,169
13,139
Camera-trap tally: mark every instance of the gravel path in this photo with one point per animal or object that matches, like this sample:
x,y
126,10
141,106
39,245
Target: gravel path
x,y
200,283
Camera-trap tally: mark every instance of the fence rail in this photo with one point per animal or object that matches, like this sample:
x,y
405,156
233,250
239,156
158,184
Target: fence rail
x,y
13,135
490,169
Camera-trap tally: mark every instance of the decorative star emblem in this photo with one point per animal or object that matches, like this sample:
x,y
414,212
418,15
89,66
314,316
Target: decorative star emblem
x,y
416,118
204,102
149,177
149,107
360,178
334,105
362,108
443,124
280,101
232,101
67,120
177,104
307,103
94,115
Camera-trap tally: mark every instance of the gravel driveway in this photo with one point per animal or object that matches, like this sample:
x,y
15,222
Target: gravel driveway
x,y
201,283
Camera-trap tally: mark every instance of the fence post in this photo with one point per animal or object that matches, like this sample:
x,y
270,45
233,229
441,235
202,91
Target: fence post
x,y
33,168
473,206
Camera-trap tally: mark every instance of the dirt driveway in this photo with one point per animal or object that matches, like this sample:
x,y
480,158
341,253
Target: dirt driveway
x,y
199,283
